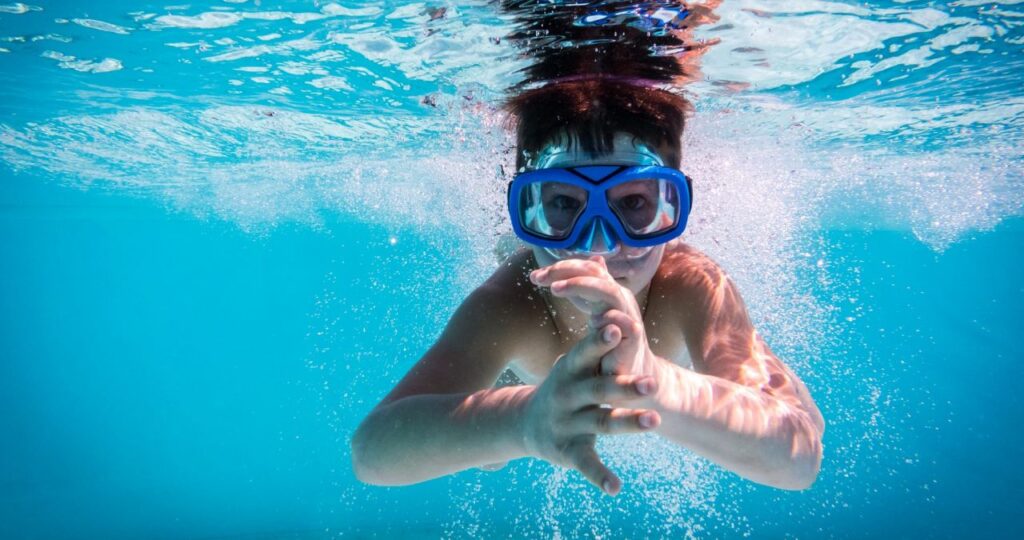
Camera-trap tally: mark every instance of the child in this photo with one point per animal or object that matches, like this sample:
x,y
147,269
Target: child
x,y
614,325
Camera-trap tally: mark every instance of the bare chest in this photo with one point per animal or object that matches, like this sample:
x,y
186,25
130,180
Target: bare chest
x,y
534,362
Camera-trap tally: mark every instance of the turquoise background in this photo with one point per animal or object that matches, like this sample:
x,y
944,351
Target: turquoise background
x,y
172,373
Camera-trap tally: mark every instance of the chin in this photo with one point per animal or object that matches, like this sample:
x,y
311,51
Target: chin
x,y
634,286
634,274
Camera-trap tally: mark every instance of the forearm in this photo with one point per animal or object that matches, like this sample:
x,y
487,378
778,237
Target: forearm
x,y
745,430
421,437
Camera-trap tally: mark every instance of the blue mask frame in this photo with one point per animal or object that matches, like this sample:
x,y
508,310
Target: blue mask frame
x,y
596,180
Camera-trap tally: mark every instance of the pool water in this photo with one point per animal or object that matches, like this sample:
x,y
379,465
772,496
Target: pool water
x,y
228,228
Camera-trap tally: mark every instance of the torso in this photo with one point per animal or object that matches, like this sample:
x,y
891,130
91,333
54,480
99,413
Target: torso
x,y
559,326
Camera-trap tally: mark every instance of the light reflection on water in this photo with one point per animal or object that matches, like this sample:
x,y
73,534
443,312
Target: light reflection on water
x,y
326,82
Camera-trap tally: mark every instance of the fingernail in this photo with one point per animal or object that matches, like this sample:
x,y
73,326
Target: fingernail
x,y
647,420
644,386
607,335
607,487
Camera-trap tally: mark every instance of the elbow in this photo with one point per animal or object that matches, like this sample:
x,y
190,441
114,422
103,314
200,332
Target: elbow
x,y
360,466
802,462
367,470
801,474
795,462
367,475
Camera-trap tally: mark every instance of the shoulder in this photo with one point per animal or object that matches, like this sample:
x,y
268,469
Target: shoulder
x,y
705,303
685,268
506,294
502,311
482,336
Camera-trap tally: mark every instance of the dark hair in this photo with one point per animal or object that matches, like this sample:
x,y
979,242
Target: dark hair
x,y
591,112
590,80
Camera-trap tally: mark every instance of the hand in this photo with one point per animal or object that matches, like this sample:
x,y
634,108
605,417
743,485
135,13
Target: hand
x,y
588,285
563,416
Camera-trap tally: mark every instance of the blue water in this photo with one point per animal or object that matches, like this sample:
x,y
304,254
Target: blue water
x,y
206,281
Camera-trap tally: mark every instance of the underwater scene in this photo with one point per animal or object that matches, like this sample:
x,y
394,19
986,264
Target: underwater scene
x,y
229,228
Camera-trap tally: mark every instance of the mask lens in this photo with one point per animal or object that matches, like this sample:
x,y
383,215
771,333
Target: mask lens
x,y
550,209
645,207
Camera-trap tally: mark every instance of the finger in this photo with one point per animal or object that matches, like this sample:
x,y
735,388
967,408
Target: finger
x,y
586,460
585,356
614,362
631,327
606,421
626,359
591,289
569,268
612,390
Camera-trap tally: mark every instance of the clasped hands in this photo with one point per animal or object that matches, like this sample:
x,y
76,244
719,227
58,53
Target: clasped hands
x,y
606,384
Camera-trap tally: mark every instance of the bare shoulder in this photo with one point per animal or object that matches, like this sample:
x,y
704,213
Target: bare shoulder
x,y
691,279
686,266
516,307
498,302
482,336
719,333
708,306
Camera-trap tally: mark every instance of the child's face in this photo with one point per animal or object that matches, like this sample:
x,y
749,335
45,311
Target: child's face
x,y
631,267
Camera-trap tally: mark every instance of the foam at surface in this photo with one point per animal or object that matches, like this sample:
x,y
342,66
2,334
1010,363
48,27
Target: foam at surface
x,y
259,167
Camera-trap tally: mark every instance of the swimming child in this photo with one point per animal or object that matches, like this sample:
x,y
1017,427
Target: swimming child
x,y
612,325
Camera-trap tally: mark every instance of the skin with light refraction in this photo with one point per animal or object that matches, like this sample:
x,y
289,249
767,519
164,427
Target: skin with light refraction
x,y
607,346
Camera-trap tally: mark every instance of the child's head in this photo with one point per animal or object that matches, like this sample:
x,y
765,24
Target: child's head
x,y
590,112
633,267
590,121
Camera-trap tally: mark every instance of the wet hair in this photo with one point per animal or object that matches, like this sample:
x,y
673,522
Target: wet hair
x,y
590,80
590,112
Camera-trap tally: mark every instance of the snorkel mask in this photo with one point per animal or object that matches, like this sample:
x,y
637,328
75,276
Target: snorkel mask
x,y
572,204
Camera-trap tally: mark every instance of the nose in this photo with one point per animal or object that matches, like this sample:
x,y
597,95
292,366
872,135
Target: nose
x,y
597,239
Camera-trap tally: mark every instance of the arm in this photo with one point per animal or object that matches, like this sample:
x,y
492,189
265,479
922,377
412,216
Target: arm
x,y
425,436
752,433
742,407
440,419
